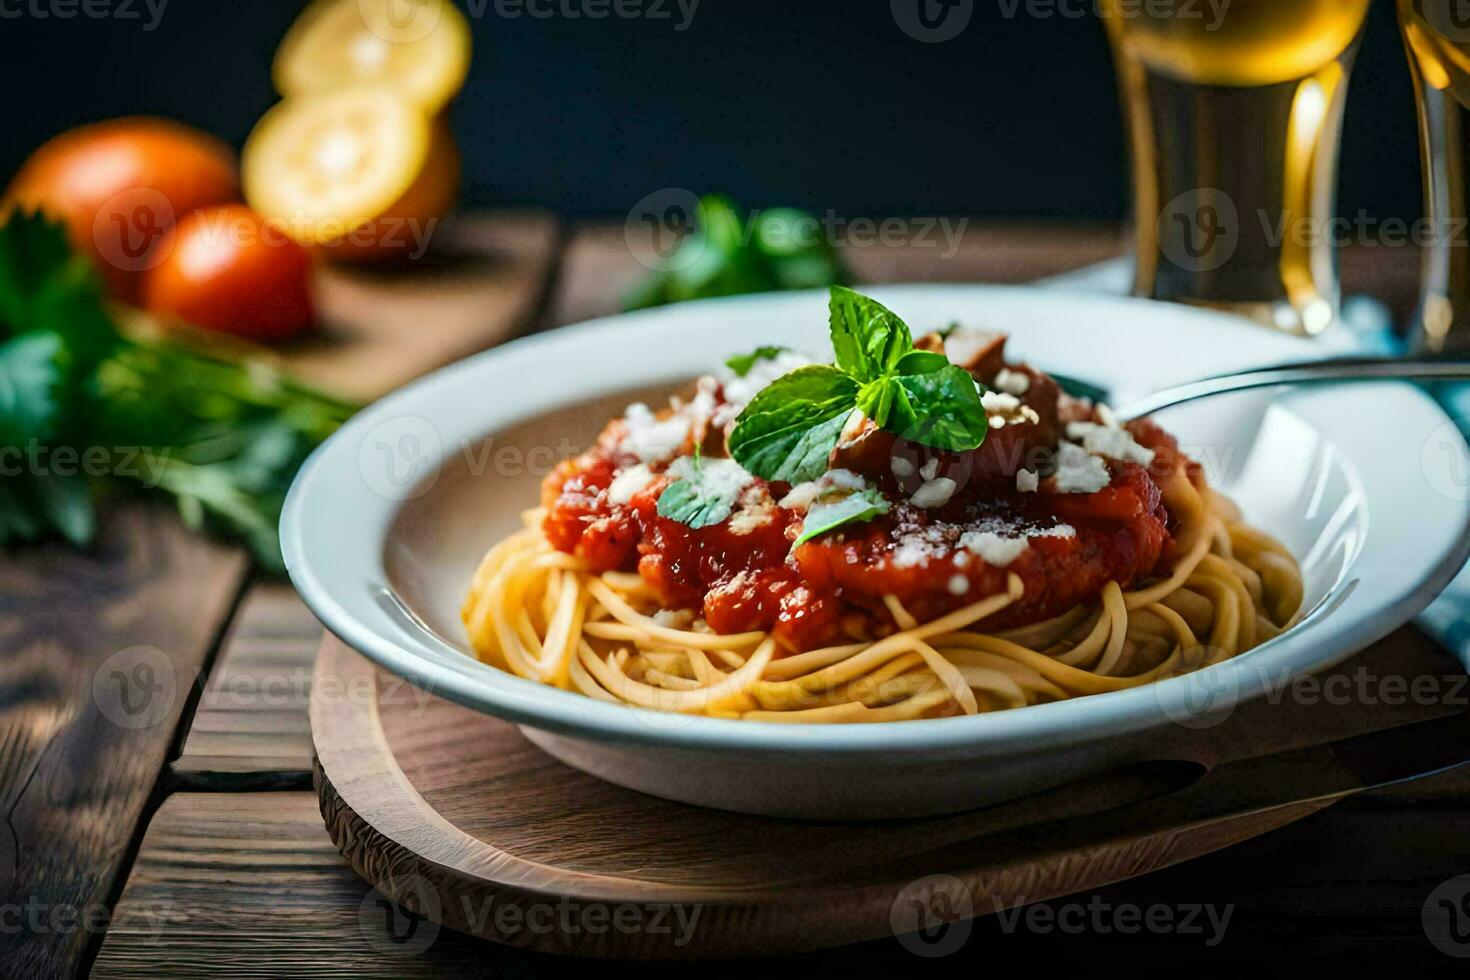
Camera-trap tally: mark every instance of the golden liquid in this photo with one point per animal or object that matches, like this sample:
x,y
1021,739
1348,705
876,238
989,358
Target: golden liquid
x,y
1439,57
1234,117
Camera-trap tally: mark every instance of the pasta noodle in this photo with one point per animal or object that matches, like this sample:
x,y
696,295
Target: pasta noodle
x,y
541,615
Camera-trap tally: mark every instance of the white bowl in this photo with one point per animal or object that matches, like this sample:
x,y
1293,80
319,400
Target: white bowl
x,y
388,519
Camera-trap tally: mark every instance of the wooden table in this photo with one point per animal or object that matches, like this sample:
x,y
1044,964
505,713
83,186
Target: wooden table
x,y
185,838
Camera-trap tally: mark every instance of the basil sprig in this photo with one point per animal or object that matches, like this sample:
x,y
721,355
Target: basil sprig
x,y
789,430
829,513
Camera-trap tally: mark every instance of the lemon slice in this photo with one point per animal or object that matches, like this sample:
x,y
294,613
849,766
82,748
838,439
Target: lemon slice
x,y
419,47
327,164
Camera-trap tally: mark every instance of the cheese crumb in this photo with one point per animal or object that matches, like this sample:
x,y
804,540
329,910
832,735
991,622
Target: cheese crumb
x,y
1078,471
934,493
1027,481
628,483
999,401
651,439
803,495
994,549
1012,382
1113,443
958,585
902,468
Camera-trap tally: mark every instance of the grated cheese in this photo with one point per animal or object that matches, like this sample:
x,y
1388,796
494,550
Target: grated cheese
x,y
628,483
958,585
934,493
999,401
1100,440
1078,471
996,550
1027,481
1012,382
650,439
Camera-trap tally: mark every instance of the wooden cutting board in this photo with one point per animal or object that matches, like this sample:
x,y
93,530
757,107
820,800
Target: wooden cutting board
x,y
459,819
383,326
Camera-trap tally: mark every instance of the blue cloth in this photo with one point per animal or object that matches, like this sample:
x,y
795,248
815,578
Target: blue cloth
x,y
1447,618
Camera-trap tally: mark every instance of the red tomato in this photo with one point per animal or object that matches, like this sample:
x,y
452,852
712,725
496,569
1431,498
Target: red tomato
x,y
119,185
229,269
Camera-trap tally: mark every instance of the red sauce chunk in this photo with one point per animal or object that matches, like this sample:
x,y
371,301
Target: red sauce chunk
x,y
958,524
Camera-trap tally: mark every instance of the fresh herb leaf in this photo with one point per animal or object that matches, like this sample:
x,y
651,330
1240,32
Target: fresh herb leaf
x,y
741,364
225,438
705,492
790,428
947,410
827,515
723,255
29,378
868,338
922,362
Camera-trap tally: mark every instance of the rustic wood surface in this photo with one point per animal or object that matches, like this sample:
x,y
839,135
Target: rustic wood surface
x,y
99,657
250,728
481,284
251,882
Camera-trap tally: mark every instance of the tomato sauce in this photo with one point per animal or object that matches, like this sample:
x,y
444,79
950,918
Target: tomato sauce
x,y
744,573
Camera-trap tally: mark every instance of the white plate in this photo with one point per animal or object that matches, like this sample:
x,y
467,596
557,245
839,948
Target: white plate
x,y
387,520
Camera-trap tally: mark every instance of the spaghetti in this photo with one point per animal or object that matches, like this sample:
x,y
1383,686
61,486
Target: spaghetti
x,y
766,550
542,615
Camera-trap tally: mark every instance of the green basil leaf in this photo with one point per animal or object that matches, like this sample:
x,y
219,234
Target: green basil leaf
x,y
922,362
823,516
705,494
790,428
742,363
868,338
947,413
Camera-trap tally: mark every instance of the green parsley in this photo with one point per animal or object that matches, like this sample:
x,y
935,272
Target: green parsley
x,y
85,406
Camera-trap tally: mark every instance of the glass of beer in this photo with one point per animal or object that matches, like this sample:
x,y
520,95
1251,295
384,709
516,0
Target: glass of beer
x,y
1437,36
1234,111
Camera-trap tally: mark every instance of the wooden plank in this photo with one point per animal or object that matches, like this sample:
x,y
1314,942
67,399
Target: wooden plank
x,y
250,883
250,730
99,656
483,283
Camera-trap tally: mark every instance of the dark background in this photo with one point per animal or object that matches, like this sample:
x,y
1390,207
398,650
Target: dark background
x,y
819,103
